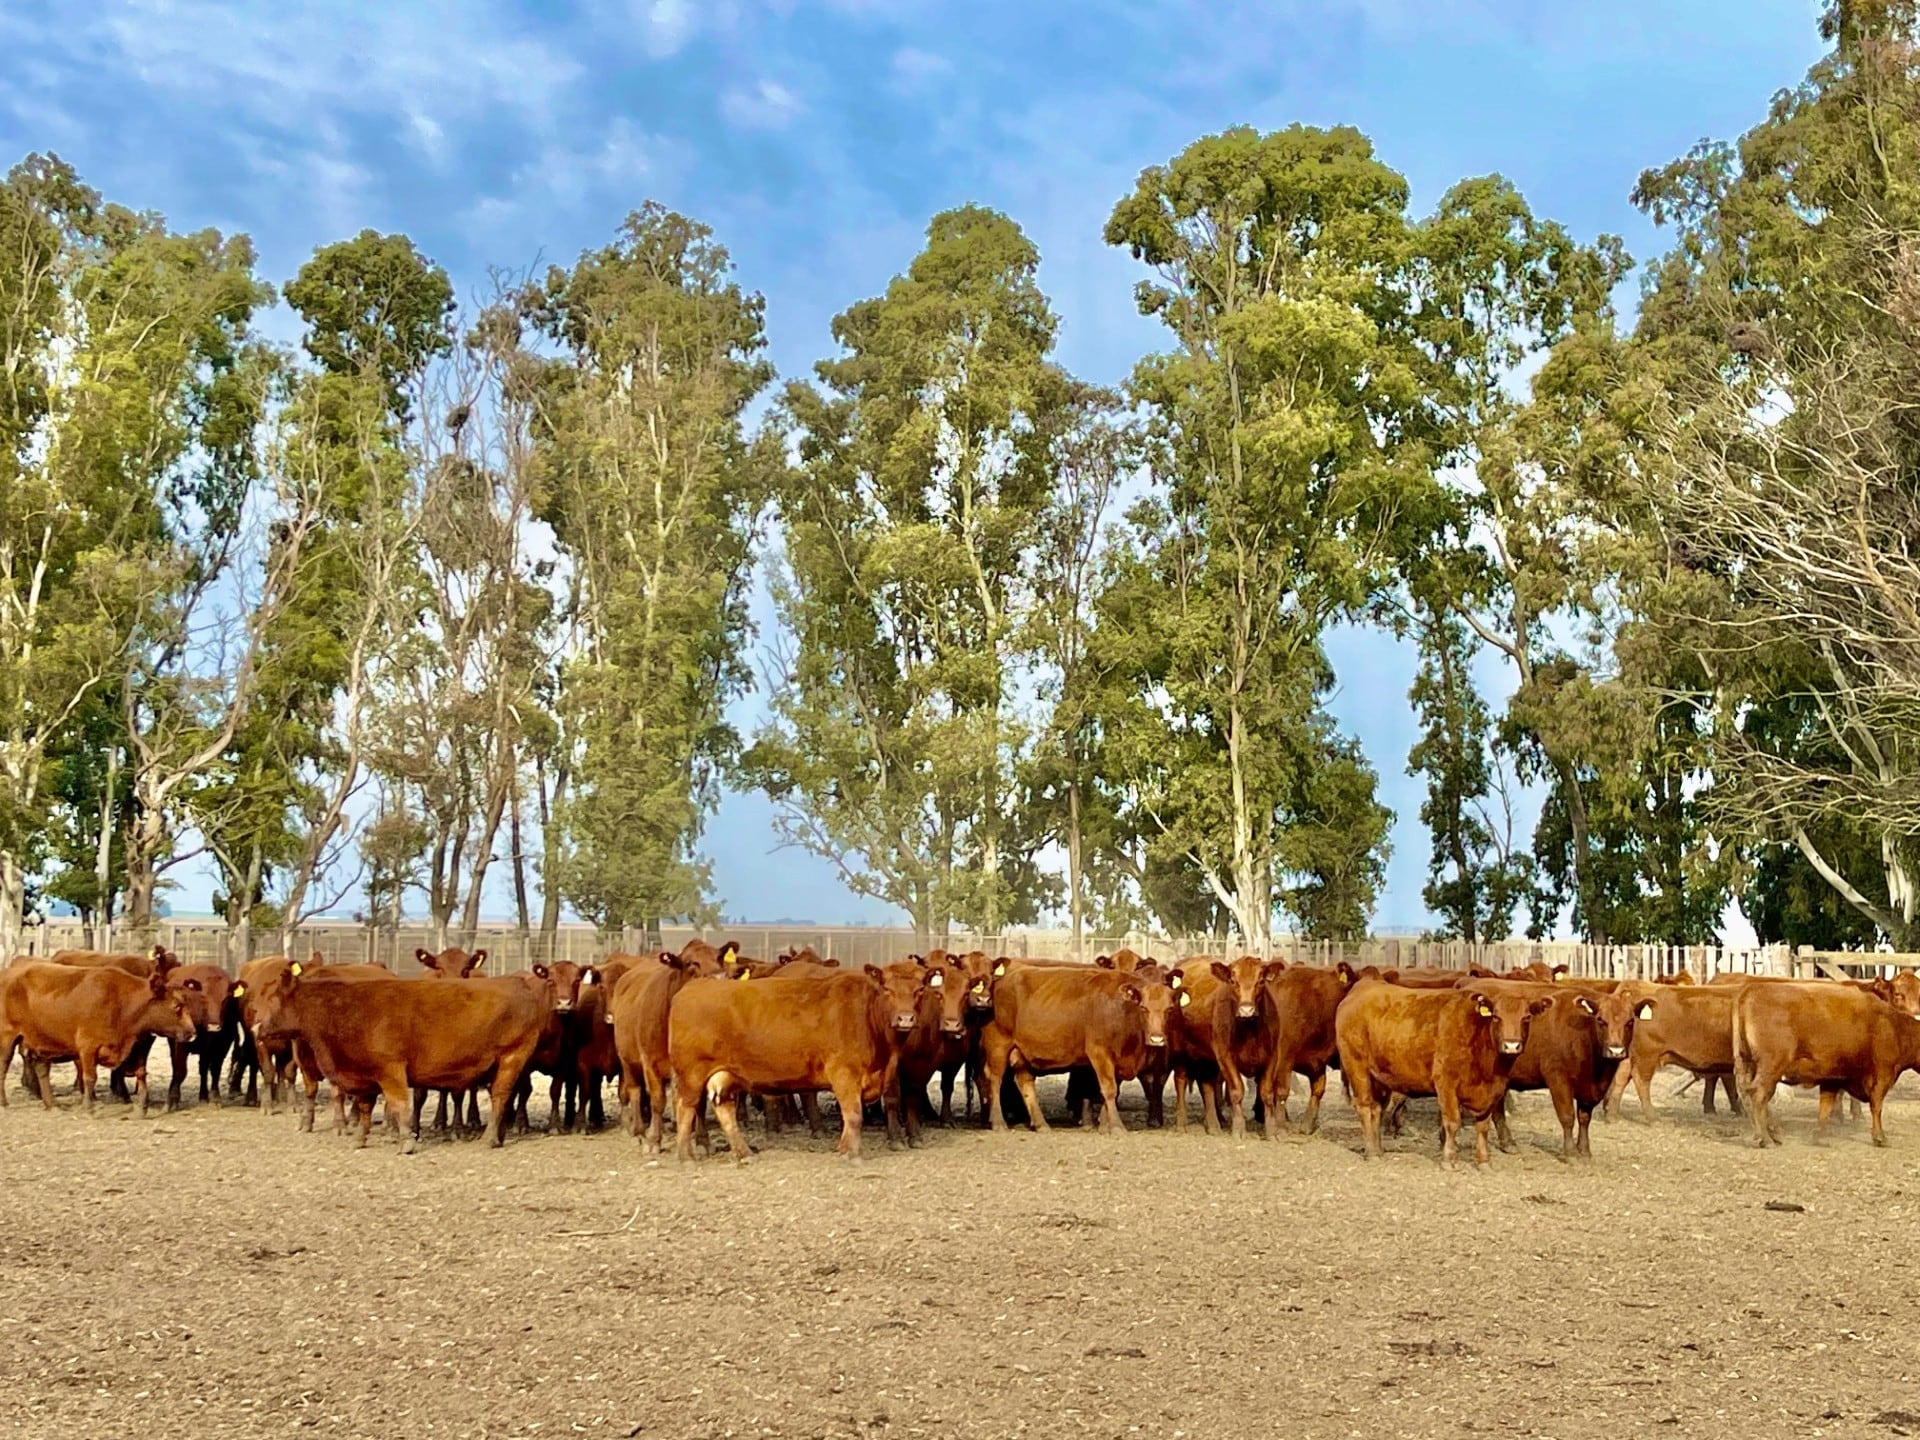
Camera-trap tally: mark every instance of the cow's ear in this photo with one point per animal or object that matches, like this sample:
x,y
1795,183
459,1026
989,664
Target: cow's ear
x,y
1544,1003
1587,1007
541,970
831,964
1344,971
427,958
1481,1006
667,957
157,983
1559,970
919,960
190,985
1175,980
474,962
935,980
294,969
999,967
240,990
1643,1011
875,973
1105,962
1186,999
728,951
1221,972
589,976
1272,969
1131,994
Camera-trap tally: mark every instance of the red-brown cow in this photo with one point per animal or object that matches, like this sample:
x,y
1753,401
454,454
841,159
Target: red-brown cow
x,y
1685,1025
398,1036
89,1015
1051,1020
1457,1045
207,989
160,960
1573,1051
640,1003
1843,1040
840,1032
938,1042
1218,1034
1305,1000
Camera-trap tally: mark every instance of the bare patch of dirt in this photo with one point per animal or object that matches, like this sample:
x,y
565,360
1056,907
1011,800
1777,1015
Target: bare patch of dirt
x,y
216,1272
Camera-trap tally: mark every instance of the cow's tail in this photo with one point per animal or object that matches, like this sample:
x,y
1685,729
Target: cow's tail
x,y
1742,1043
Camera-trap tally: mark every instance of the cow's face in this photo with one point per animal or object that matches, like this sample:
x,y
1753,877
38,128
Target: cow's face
x,y
269,1001
1902,992
947,982
566,978
205,988
1244,977
981,972
1508,1017
900,990
1613,1016
1156,1003
167,1012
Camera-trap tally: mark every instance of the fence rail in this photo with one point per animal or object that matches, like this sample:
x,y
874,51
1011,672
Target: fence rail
x,y
212,941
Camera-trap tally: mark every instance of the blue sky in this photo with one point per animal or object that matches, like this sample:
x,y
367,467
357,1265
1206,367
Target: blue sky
x,y
817,137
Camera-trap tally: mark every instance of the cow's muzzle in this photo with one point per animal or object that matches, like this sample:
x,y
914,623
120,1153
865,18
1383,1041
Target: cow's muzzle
x,y
1510,1047
1156,1040
1245,1012
563,1007
1615,1052
903,1022
952,1027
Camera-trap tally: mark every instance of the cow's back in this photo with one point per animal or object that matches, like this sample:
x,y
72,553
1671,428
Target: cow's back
x,y
776,1034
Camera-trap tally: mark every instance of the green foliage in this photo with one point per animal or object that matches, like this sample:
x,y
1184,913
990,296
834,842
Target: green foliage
x,y
652,487
911,525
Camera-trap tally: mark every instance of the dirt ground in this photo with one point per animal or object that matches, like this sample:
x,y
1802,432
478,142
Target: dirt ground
x,y
216,1273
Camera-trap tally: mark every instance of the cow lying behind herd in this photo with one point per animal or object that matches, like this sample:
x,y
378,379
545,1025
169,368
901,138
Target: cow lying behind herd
x,y
711,1027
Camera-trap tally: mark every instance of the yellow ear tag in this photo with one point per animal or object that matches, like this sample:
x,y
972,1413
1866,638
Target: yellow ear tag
x,y
294,969
1175,982
1486,1012
1001,968
1185,1000
238,991
745,975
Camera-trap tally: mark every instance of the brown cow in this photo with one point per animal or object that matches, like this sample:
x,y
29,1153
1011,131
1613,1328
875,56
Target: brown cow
x,y
1420,978
398,1036
161,960
938,1042
207,989
1305,999
1215,1037
1050,1020
1536,970
89,1015
1573,1052
1456,1045
840,1032
1688,1026
1843,1040
640,1003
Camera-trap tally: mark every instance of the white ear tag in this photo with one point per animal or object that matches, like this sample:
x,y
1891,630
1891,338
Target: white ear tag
x,y
937,980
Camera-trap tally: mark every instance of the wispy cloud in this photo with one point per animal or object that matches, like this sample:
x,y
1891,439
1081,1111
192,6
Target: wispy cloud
x,y
768,105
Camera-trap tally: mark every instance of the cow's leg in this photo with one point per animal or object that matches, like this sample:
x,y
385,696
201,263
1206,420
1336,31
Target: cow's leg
x,y
726,1109
1450,1129
309,1095
1706,1094
1180,1099
1023,1079
83,1067
686,1101
1209,1107
1583,1147
1732,1094
419,1107
1236,1100
340,1110
1316,1088
810,1107
1644,1067
177,1054
947,1077
1396,1115
993,1069
656,1087
1366,1106
1566,1112
1503,1137
1828,1097
1621,1076
1876,1097
1759,1107
904,1098
1104,1076
1481,1155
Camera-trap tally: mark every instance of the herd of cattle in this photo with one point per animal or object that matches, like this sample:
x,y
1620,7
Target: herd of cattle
x,y
712,1025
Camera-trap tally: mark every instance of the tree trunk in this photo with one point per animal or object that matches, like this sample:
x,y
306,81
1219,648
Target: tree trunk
x,y
13,904
550,852
1576,804
519,860
144,837
1076,901
482,859
103,859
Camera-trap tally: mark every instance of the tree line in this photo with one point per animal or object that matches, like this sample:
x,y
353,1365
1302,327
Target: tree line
x,y
448,586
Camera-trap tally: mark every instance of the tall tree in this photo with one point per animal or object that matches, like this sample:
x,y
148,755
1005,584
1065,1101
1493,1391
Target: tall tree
x,y
1783,446
652,487
1282,458
910,528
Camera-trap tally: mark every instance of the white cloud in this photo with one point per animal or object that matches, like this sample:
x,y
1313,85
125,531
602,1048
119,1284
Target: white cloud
x,y
670,24
611,171
910,63
768,105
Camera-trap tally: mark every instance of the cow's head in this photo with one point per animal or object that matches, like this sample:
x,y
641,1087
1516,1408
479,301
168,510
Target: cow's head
x,y
900,989
1507,1015
167,1012
566,978
165,962
1156,1001
1244,977
453,963
982,972
206,989
1902,992
946,988
1613,1016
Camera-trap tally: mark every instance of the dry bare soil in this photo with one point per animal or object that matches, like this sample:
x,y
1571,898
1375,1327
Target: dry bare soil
x,y
217,1273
